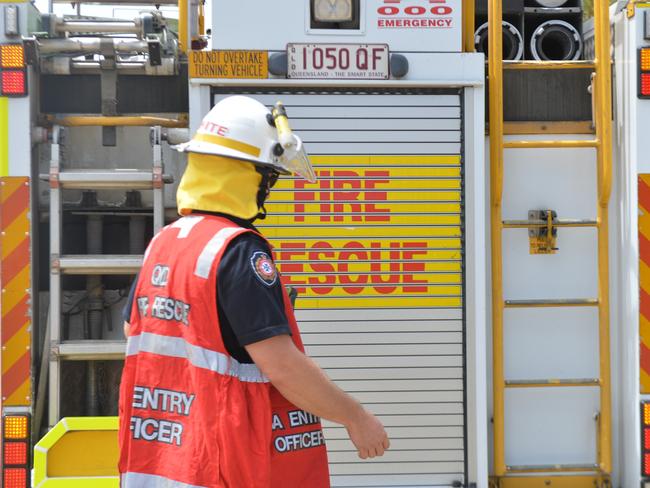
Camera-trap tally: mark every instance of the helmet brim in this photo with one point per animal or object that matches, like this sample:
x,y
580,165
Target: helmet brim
x,y
209,150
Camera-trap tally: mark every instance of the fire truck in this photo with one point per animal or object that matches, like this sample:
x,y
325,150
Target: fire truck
x,y
472,263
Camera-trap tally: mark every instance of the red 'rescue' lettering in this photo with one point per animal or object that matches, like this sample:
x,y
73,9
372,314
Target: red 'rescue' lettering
x,y
392,277
346,279
344,196
414,267
325,270
289,250
388,267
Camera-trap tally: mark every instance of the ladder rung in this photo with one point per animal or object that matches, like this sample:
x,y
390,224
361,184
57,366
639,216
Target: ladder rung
x,y
549,65
557,302
514,224
548,127
559,144
90,350
552,383
551,468
116,121
106,179
97,264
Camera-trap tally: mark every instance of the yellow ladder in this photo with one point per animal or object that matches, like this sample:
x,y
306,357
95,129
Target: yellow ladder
x,y
575,476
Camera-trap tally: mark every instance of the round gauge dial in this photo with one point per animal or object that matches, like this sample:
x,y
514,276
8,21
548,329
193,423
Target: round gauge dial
x,y
333,10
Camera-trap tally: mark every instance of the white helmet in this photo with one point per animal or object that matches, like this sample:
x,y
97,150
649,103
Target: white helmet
x,y
241,127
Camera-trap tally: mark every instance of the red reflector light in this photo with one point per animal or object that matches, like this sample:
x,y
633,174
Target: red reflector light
x,y
13,82
15,453
645,84
15,477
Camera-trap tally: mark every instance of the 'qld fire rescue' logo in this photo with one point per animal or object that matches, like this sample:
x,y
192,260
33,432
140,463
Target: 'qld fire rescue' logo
x,y
264,268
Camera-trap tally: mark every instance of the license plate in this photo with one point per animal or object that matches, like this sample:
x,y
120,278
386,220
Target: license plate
x,y
338,61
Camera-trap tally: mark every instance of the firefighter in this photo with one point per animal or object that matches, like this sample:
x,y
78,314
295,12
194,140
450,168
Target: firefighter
x,y
216,389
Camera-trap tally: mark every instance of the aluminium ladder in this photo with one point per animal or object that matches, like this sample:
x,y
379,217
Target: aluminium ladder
x,y
90,264
573,475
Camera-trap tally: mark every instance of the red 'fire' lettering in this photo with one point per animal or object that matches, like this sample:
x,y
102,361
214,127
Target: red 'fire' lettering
x,y
339,195
301,196
344,196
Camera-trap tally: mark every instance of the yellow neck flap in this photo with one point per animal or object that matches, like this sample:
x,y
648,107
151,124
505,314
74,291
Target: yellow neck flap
x,y
219,184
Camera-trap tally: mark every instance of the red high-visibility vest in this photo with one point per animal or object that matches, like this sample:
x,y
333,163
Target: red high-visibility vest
x,y
192,416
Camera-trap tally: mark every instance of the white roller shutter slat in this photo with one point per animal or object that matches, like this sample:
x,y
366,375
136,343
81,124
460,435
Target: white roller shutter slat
x,y
401,385
383,467
377,326
405,124
409,361
421,431
395,373
370,112
430,480
352,101
415,349
386,338
411,397
397,455
375,248
398,148
418,420
376,316
372,136
416,409
451,444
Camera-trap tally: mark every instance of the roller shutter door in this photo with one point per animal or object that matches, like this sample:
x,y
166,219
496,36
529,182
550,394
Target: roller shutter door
x,y
375,248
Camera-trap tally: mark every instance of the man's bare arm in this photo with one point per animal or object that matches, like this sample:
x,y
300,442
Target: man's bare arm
x,y
126,329
305,384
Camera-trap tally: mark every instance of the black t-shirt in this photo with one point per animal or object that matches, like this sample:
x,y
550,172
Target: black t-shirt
x,y
249,294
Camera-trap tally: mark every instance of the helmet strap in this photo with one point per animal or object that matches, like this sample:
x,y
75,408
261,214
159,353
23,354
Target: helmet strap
x,y
261,215
269,177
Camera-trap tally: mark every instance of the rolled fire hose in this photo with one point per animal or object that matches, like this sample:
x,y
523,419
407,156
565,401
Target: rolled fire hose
x,y
556,40
513,43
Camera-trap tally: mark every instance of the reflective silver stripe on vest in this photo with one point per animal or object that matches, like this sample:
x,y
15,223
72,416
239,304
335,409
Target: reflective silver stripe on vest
x,y
177,347
141,480
186,224
211,249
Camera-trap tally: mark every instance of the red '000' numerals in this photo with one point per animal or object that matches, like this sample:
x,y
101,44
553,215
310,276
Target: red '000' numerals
x,y
414,10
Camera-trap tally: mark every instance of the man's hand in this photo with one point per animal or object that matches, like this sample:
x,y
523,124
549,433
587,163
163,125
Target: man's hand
x,y
303,383
368,435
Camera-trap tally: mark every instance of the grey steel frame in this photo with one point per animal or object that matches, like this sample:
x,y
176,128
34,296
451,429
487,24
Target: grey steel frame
x,y
88,350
